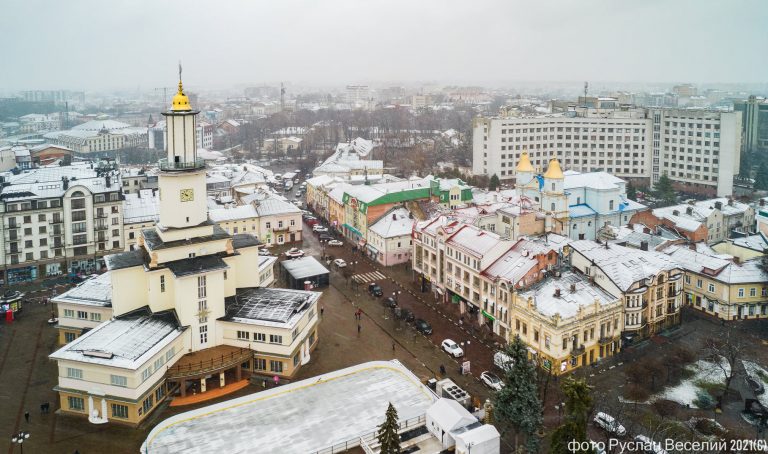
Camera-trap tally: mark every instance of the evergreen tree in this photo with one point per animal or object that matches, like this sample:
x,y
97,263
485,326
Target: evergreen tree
x,y
578,403
664,191
518,401
631,191
761,177
494,183
388,436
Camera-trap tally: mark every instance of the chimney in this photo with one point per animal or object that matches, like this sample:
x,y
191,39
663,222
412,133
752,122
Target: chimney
x,y
761,202
675,213
643,245
719,205
573,288
557,293
730,202
108,180
65,183
646,230
689,210
736,260
394,216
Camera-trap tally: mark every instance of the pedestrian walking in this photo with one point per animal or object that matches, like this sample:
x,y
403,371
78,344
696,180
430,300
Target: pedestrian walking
x,y
277,380
322,309
442,370
26,415
358,329
393,346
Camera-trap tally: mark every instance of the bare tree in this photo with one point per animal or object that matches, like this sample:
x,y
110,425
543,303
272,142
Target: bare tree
x,y
724,352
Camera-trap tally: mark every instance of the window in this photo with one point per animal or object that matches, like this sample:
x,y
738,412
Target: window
x,y
169,354
69,337
201,290
260,364
753,291
259,337
159,363
146,373
741,293
296,360
76,403
204,334
70,313
159,393
119,411
610,205
698,283
225,275
275,339
74,373
118,380
243,335
268,225
162,284
276,366
147,404
95,317
82,315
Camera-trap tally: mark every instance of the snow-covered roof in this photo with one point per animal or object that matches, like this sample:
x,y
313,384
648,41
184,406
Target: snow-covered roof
x,y
569,302
591,180
236,213
96,291
46,182
624,266
754,242
274,206
580,211
715,267
472,240
394,223
679,216
273,307
127,342
313,414
140,207
304,267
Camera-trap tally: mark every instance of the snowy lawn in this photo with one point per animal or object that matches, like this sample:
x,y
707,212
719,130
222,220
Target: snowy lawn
x,y
705,374
757,372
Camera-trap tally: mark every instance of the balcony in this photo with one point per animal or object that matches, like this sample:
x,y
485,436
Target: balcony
x,y
606,340
101,215
98,227
171,166
208,361
12,227
578,351
56,221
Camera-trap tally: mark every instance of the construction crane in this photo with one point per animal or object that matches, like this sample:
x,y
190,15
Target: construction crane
x,y
165,93
282,97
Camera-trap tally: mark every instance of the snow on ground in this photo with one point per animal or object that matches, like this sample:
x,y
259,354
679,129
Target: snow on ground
x,y
685,392
757,372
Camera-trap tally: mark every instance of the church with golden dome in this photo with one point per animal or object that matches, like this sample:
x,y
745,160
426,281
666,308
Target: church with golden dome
x,y
545,191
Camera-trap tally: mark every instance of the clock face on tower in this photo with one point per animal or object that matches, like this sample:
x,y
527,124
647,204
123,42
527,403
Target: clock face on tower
x,y
187,195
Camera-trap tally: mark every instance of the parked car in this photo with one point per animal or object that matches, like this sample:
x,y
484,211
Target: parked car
x,y
406,315
390,302
502,361
319,229
340,263
335,243
326,237
375,289
294,253
648,445
264,252
756,385
422,326
452,348
609,424
492,381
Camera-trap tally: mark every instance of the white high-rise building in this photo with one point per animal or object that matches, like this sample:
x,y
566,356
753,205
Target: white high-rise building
x,y
697,149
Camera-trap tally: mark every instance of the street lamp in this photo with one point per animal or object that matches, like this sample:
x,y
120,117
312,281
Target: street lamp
x,y
19,438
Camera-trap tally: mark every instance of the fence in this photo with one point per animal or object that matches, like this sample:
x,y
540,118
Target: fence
x,y
368,438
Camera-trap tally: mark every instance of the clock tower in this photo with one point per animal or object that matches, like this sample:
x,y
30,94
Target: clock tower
x,y
181,180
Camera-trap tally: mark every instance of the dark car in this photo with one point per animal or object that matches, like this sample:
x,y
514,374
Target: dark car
x,y
374,289
390,302
422,326
755,384
326,237
406,315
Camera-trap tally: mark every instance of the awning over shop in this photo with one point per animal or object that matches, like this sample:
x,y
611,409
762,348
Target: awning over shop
x,y
352,229
455,299
488,316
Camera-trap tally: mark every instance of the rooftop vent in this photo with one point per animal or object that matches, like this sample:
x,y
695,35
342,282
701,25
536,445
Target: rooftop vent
x,y
557,293
98,354
689,210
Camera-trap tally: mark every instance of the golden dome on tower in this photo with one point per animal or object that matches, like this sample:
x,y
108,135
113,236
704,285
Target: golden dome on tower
x,y
180,101
525,164
554,170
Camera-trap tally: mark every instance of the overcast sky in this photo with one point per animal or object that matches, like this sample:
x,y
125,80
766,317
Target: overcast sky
x,y
89,45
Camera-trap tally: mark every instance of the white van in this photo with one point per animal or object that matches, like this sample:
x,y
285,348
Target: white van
x,y
502,361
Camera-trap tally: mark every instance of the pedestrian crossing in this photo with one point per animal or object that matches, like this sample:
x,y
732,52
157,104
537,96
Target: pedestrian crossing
x,y
369,277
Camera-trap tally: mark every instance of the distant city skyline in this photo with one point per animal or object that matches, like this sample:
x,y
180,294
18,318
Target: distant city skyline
x,y
130,44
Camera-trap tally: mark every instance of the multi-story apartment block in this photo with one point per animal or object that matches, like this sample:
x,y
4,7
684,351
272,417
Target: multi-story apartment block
x,y
649,283
754,122
389,238
568,322
59,219
722,288
268,217
697,149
